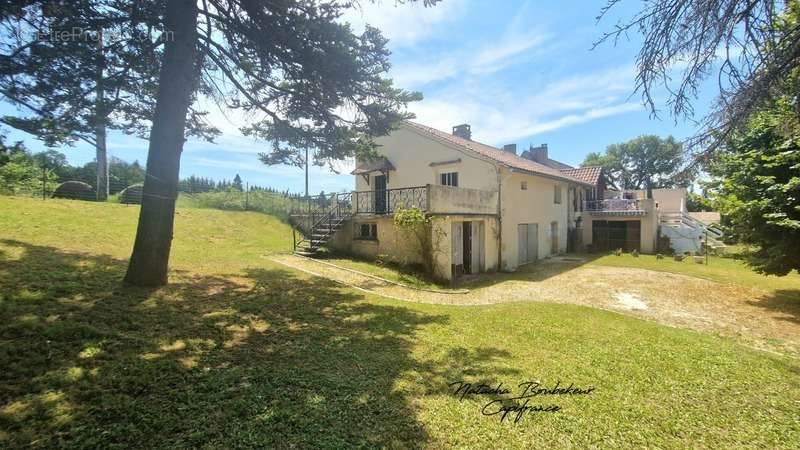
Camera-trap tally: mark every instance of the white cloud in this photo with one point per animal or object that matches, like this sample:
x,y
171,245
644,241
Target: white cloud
x,y
486,55
500,55
500,113
404,24
467,62
575,119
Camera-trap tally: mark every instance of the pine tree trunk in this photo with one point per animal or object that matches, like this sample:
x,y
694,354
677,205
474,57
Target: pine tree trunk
x,y
149,261
100,127
102,163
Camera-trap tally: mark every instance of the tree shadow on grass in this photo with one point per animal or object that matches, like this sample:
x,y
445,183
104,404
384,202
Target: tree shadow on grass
x,y
784,301
267,358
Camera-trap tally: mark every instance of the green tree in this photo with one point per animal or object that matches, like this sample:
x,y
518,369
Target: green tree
x,y
697,202
295,65
237,183
748,48
123,173
757,184
52,160
6,151
22,175
646,162
78,68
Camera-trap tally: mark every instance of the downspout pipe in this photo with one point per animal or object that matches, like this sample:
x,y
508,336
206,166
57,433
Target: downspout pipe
x,y
499,218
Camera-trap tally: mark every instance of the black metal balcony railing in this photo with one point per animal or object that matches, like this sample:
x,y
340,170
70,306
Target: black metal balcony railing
x,y
306,211
612,205
389,201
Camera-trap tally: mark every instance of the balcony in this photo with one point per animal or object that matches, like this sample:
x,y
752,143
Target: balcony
x,y
389,201
617,207
434,199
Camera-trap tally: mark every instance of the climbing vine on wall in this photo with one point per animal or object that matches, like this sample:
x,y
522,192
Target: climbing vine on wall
x,y
426,235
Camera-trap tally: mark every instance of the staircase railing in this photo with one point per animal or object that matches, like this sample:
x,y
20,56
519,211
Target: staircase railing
x,y
315,211
711,234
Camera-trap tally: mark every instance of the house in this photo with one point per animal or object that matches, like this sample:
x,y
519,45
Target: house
x,y
493,209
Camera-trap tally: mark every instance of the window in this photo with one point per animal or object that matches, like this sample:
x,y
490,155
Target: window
x,y
523,185
367,231
449,179
557,194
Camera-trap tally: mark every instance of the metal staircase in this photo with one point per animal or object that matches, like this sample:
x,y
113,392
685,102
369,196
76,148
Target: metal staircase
x,y
318,220
681,226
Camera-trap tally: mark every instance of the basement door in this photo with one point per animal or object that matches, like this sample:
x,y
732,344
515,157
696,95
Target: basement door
x,y
467,247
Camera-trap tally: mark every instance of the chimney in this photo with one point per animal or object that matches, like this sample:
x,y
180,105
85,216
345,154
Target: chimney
x,y
538,154
463,131
510,148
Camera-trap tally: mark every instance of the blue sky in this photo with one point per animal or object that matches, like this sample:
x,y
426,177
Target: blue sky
x,y
518,71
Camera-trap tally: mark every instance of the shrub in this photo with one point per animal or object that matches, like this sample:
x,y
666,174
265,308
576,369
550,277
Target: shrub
x,y
20,176
131,195
75,190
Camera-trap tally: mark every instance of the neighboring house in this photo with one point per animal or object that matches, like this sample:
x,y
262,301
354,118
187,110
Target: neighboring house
x,y
493,209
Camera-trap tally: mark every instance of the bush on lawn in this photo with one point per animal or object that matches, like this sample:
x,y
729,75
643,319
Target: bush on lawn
x,y
131,195
75,190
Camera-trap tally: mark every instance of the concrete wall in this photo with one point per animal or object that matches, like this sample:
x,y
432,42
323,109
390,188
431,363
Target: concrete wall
x,y
534,205
455,200
412,154
396,245
669,200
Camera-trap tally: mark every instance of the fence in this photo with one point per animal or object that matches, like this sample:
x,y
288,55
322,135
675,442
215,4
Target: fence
x,y
279,204
46,185
50,186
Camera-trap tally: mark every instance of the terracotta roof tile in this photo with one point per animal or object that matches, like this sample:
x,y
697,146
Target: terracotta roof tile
x,y
590,174
505,158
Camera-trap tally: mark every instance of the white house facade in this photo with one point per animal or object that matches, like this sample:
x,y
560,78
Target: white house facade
x,y
492,209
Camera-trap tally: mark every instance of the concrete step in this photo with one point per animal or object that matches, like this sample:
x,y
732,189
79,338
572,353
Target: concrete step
x,y
325,230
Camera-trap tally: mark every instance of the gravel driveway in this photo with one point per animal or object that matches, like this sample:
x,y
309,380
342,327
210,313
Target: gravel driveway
x,y
671,299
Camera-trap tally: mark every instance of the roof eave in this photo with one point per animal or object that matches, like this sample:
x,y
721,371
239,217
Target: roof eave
x,y
546,175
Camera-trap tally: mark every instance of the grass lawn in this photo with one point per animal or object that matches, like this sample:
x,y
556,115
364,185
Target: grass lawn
x,y
240,352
